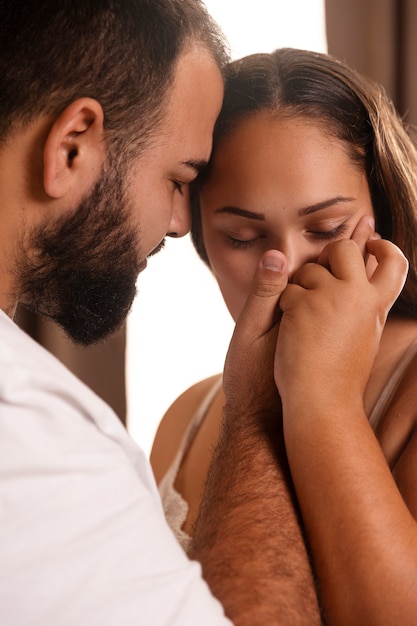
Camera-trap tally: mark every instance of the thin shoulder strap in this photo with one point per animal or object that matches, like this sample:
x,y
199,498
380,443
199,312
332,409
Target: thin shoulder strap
x,y
387,394
194,425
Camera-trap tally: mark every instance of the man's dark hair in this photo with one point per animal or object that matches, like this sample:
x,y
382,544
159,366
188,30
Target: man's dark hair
x,y
122,53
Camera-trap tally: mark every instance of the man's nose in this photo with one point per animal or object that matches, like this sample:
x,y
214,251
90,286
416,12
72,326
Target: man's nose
x,y
181,215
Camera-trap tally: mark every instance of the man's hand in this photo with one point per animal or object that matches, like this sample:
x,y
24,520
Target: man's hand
x,y
248,535
248,376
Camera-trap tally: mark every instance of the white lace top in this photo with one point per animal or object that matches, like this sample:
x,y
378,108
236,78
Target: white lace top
x,y
175,507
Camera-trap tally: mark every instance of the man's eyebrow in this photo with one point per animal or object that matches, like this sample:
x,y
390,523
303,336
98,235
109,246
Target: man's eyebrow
x,y
324,205
233,210
197,166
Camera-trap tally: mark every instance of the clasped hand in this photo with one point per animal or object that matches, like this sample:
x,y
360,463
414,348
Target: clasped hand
x,y
332,314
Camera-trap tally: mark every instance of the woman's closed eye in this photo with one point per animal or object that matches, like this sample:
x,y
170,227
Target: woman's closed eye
x,y
333,233
243,242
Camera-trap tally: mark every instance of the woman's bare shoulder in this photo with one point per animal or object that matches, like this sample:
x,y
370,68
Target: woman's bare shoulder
x,y
174,424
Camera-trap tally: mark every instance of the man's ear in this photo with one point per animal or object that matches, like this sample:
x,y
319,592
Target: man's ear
x,y
74,150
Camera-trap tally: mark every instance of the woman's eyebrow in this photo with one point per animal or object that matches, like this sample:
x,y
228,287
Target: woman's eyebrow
x,y
324,205
253,215
233,210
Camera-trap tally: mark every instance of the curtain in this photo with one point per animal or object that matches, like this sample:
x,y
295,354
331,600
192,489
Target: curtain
x,y
378,38
101,367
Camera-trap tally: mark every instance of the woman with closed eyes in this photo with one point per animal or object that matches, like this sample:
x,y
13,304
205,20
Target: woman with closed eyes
x,y
307,152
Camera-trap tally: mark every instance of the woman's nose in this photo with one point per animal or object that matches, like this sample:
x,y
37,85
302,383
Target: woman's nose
x,y
296,257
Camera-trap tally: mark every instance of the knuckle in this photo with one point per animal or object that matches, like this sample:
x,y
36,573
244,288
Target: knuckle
x,y
267,290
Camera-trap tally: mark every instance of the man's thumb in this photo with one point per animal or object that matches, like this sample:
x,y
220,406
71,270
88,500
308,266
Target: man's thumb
x,y
271,277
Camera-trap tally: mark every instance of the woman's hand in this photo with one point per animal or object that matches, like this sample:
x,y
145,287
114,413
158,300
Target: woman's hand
x,y
333,315
362,536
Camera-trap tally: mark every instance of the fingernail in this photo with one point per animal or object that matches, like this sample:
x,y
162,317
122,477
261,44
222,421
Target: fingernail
x,y
272,262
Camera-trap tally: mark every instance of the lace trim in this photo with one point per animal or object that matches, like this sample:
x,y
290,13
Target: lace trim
x,y
175,507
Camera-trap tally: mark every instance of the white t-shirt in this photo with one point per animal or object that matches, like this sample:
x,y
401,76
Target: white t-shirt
x,y
83,539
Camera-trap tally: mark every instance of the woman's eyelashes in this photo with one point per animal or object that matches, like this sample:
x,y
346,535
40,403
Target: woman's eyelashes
x,y
235,242
244,241
333,233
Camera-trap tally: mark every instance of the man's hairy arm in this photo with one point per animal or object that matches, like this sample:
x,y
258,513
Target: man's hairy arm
x,y
248,536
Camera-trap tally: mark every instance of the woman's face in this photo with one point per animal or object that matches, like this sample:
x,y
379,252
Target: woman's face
x,y
277,183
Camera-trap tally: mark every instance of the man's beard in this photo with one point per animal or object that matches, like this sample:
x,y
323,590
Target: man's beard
x,y
81,270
